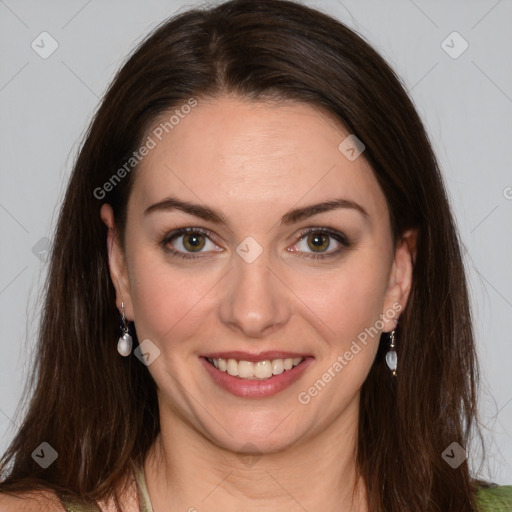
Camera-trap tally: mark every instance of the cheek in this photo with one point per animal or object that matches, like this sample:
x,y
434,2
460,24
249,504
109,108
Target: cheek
x,y
349,299
169,303
351,308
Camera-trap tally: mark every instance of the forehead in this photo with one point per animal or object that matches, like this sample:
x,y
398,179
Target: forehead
x,y
231,152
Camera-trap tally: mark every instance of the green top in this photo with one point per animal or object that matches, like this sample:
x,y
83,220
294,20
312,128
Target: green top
x,y
492,499
495,499
142,493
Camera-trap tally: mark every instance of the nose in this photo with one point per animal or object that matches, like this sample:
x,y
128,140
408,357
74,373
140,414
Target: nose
x,y
255,302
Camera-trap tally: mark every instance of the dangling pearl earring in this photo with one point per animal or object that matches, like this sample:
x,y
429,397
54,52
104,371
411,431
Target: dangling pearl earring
x,y
391,357
124,344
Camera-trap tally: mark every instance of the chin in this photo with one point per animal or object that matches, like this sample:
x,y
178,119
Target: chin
x,y
256,435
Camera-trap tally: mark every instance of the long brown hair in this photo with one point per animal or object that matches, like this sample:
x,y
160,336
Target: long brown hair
x,y
99,411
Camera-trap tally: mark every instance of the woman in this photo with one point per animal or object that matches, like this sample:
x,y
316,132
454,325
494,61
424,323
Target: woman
x,y
258,207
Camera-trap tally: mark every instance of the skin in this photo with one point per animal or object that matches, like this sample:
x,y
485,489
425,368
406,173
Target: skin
x,y
253,162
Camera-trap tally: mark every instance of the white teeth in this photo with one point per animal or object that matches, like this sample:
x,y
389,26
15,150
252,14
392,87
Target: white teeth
x,y
277,366
263,369
245,369
259,370
232,368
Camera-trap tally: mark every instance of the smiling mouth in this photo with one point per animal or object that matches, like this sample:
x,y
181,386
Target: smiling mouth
x,y
260,370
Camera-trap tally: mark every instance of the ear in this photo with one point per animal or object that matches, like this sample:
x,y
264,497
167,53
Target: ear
x,y
117,263
400,279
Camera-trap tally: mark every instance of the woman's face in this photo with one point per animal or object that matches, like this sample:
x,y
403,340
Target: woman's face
x,y
288,255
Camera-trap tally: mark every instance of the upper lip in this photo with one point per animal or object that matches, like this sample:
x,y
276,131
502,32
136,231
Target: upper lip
x,y
254,357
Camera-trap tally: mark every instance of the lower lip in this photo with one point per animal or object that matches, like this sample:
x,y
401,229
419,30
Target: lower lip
x,y
256,388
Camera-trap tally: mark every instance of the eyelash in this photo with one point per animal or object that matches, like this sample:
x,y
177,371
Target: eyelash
x,y
336,235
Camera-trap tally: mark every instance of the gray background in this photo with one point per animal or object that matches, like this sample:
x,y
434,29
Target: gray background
x,y
466,103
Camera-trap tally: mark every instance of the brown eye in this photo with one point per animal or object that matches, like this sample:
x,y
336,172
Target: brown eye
x,y
318,242
193,242
189,242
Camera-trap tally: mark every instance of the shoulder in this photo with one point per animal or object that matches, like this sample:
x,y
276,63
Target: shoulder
x,y
48,501
495,499
31,502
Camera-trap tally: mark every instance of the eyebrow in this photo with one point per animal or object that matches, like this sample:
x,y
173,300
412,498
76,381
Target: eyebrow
x,y
291,217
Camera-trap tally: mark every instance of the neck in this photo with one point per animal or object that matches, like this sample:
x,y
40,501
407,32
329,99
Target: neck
x,y
186,469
